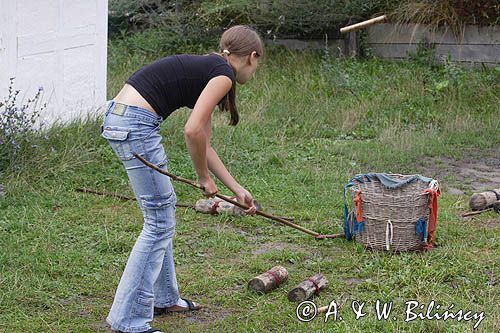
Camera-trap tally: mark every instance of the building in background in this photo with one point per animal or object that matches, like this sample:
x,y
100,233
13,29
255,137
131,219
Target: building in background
x,y
59,45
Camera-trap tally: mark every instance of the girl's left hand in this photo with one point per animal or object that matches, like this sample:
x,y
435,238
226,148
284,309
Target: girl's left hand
x,y
244,197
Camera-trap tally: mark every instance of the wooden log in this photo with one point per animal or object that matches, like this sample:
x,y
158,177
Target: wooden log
x,y
269,280
307,288
217,206
484,200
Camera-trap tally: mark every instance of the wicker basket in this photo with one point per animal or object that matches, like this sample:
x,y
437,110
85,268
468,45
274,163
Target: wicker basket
x,y
390,216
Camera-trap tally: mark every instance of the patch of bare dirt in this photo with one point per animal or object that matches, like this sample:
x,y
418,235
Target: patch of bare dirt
x,y
101,326
492,223
267,247
85,306
479,171
354,281
203,316
492,278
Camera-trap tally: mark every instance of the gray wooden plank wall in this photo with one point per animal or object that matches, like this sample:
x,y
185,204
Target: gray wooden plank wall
x,y
336,46
475,45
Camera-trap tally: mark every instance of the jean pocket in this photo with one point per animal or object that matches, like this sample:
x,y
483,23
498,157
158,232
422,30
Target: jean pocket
x,y
143,305
120,142
159,211
140,128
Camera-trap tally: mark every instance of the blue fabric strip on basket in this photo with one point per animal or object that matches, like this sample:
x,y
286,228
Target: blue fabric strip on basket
x,y
421,228
347,232
358,227
388,182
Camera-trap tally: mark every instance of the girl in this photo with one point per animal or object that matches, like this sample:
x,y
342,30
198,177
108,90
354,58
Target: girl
x,y
148,284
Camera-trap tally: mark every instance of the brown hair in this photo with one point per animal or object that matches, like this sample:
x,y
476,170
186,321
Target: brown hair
x,y
239,40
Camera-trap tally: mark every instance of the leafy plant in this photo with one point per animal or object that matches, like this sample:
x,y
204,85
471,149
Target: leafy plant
x,y
19,124
424,55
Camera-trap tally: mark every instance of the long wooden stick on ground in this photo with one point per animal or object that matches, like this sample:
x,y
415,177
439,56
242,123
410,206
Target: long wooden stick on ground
x,y
108,194
126,198
476,212
119,196
236,203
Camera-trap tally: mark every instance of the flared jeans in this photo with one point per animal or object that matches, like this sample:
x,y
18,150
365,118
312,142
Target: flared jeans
x,y
149,276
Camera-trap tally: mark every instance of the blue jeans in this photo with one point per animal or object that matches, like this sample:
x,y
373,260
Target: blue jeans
x,y
149,276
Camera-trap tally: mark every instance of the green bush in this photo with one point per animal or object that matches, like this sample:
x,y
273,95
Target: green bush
x,y
296,18
193,20
275,18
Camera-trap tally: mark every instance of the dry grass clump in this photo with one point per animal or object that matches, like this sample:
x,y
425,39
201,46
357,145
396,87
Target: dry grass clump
x,y
454,14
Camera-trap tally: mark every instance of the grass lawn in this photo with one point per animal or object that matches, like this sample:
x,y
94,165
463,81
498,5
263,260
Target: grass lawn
x,y
308,124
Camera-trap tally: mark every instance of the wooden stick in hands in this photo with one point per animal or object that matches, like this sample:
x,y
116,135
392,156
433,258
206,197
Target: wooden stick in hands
x,y
236,203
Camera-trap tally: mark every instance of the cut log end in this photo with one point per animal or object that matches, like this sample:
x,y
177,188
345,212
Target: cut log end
x,y
257,285
307,288
484,200
269,280
297,295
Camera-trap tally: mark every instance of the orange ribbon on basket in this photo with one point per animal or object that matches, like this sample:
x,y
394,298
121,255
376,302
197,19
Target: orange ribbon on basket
x,y
433,208
357,204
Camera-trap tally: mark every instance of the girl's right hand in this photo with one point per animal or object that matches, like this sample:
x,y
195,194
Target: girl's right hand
x,y
244,197
209,187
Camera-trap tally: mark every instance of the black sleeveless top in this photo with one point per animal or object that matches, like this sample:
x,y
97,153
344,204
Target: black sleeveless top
x,y
178,80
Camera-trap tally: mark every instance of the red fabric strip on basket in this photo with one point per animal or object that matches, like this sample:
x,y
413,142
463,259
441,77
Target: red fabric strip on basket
x,y
315,286
433,208
276,277
213,211
357,203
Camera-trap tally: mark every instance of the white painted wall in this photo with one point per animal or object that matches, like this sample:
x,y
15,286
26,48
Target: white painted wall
x,y
59,45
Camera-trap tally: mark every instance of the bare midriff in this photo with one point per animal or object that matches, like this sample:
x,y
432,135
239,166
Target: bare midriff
x,y
130,96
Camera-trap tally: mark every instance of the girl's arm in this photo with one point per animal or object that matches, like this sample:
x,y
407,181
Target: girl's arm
x,y
217,166
197,139
220,171
197,132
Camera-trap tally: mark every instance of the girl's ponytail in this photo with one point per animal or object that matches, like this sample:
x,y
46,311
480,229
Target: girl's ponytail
x,y
231,103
